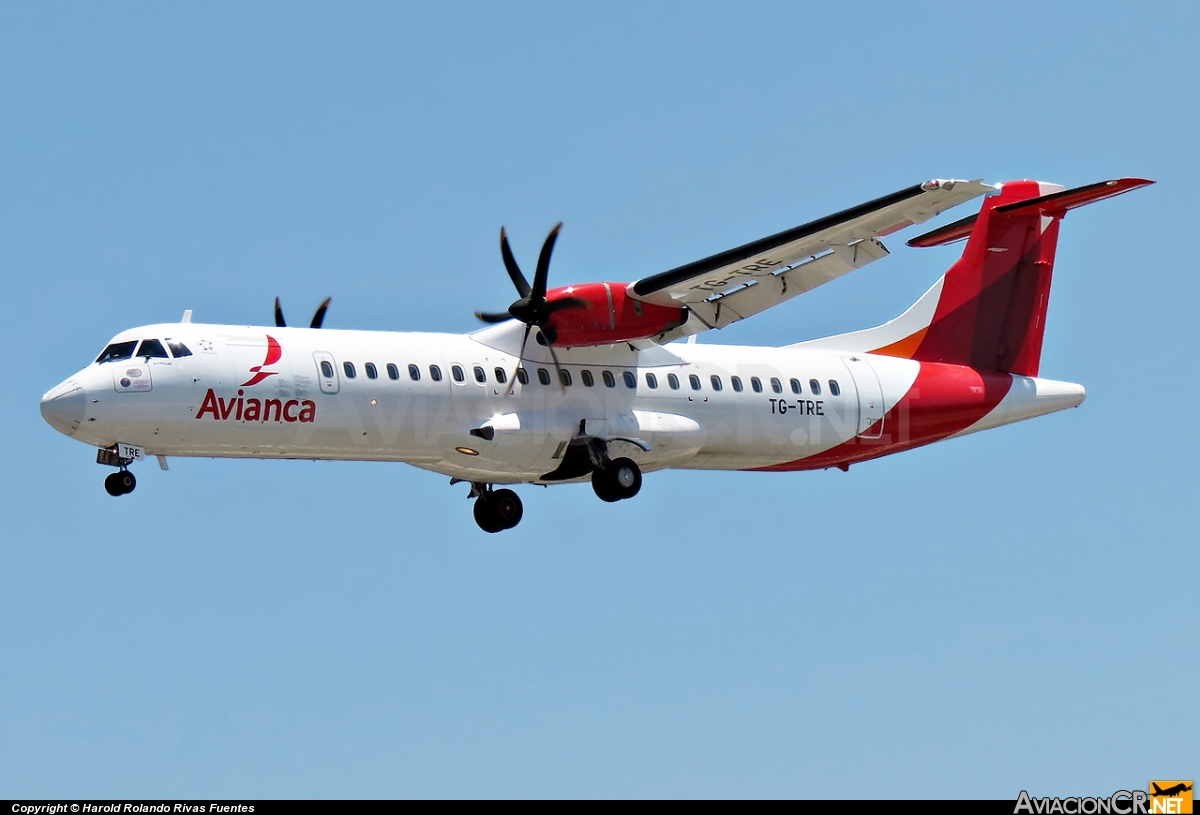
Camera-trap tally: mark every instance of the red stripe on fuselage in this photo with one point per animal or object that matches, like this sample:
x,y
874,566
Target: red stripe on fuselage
x,y
944,400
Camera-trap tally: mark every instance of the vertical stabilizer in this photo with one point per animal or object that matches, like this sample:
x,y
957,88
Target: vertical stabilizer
x,y
989,310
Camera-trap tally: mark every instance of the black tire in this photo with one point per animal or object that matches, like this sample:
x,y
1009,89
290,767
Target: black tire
x,y
625,477
486,517
112,485
127,481
506,506
602,485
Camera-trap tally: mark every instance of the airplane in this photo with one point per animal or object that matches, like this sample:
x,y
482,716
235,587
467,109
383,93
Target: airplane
x,y
1169,792
614,384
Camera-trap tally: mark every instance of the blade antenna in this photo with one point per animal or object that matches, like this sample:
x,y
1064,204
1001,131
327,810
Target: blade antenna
x,y
319,317
512,381
510,263
279,315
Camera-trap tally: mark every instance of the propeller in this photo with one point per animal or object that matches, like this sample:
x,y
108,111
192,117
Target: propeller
x,y
532,307
318,317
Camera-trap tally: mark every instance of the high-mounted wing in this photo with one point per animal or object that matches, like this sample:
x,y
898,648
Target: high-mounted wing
x,y
740,282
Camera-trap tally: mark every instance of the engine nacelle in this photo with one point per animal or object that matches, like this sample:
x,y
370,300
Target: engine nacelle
x,y
610,315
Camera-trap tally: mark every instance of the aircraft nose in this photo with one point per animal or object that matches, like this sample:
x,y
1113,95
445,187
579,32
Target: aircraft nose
x,y
63,407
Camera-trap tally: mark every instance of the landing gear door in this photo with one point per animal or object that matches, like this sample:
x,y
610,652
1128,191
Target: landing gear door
x,y
870,398
327,372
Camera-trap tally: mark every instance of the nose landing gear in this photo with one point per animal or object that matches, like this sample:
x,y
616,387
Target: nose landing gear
x,y
120,483
496,510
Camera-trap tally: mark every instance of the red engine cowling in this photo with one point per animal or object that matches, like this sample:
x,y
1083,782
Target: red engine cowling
x,y
610,315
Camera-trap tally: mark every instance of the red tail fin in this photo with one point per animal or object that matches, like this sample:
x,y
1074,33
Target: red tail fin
x,y
991,312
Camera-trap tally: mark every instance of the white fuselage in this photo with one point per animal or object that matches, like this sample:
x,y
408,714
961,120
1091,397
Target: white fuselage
x,y
305,404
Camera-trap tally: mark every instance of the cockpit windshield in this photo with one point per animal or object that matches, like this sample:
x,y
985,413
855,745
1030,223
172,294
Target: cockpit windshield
x,y
152,348
117,351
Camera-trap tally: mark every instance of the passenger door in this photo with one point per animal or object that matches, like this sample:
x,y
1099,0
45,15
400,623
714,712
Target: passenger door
x,y
870,398
327,373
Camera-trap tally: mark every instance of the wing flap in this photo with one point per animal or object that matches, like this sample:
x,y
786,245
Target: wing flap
x,y
762,293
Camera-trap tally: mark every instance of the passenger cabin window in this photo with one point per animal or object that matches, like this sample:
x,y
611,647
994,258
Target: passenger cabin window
x,y
609,381
117,351
564,376
834,388
348,367
178,349
543,376
456,371
435,373
756,384
523,376
630,379
372,372
776,385
152,349
588,379
480,376
814,387
414,373
501,376
736,381
673,381
393,371
326,369
716,382
795,383
694,381
651,381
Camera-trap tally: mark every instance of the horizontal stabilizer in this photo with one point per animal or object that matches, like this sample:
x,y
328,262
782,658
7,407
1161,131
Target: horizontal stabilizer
x,y
1055,203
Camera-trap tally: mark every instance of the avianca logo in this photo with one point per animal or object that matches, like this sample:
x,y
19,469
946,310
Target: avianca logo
x,y
274,352
256,410
240,409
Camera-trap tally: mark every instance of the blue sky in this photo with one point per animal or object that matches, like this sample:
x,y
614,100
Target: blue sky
x,y
1003,612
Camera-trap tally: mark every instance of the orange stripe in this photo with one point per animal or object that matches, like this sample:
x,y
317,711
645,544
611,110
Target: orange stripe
x,y
904,348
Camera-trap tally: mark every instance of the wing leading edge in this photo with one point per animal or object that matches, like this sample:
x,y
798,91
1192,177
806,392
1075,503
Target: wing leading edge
x,y
743,281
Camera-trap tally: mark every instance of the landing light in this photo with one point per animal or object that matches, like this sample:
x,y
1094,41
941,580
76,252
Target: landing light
x,y
467,451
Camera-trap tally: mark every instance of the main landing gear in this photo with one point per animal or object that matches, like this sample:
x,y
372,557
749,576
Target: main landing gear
x,y
496,510
619,479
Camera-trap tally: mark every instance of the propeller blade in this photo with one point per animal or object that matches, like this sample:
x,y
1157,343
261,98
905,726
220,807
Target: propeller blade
x,y
557,367
319,317
543,266
510,263
512,380
493,316
566,302
279,315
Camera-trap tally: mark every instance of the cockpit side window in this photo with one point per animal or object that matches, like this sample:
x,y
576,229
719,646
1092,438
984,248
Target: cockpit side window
x,y
178,349
151,348
117,351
